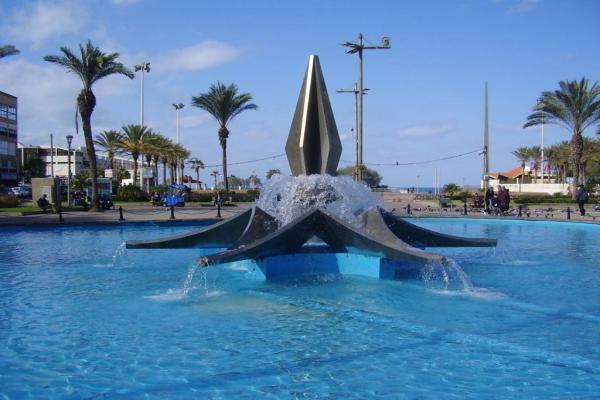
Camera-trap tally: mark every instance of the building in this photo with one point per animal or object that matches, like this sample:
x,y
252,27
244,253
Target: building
x,y
519,180
45,163
8,139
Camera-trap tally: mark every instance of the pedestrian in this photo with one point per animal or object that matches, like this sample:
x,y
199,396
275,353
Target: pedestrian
x,y
581,197
489,199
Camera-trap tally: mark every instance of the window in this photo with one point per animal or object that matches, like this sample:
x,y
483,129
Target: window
x,y
8,112
8,132
8,148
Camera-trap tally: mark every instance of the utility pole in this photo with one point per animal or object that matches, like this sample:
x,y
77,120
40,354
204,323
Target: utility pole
x,y
358,48
486,142
52,155
355,91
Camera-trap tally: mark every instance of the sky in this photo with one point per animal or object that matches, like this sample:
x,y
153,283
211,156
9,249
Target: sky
x,y
426,92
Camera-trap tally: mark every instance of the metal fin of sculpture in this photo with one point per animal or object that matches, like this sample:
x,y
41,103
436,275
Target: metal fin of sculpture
x,y
221,234
338,235
313,145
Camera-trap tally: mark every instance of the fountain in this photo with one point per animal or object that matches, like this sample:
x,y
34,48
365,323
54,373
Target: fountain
x,y
301,224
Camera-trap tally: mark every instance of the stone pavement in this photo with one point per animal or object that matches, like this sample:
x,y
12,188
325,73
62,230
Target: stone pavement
x,y
147,213
133,213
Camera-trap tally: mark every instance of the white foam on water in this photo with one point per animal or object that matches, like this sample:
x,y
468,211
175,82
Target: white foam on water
x,y
169,296
288,197
475,293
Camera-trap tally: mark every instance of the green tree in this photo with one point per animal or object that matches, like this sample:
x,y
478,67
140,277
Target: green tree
x,y
136,140
451,188
110,142
122,173
196,164
8,50
370,176
522,154
574,107
90,67
224,103
272,172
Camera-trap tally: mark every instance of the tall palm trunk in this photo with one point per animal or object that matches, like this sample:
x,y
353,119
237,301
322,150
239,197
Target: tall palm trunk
x,y
173,166
576,153
164,172
135,170
111,160
223,134
86,102
197,178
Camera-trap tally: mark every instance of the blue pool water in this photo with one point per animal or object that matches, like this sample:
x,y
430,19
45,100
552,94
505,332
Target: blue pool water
x,y
80,317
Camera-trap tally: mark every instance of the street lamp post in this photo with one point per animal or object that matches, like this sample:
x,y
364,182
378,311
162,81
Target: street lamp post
x,y
143,67
69,141
355,91
358,48
178,107
539,101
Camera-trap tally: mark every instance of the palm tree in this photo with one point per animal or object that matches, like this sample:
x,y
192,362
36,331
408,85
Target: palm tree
x,y
523,155
135,142
196,164
8,50
110,141
574,107
224,103
90,68
535,154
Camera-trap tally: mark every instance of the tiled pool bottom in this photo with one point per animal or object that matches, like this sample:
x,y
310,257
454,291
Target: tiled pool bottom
x,y
80,317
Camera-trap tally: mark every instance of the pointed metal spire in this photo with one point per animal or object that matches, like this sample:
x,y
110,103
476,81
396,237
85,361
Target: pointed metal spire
x,y
313,145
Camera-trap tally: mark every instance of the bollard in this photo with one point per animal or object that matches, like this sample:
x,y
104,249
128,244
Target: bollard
x,y
172,212
568,212
465,209
219,210
408,209
520,210
121,214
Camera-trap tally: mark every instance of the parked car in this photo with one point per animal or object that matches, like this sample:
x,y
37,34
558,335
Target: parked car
x,y
16,190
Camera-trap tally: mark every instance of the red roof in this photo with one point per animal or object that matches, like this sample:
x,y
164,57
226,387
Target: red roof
x,y
512,174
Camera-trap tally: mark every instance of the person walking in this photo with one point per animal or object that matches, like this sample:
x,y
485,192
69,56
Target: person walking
x,y
581,197
489,199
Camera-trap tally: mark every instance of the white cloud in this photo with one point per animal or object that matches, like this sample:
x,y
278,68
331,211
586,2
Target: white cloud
x,y
424,131
206,54
125,2
47,97
523,6
37,22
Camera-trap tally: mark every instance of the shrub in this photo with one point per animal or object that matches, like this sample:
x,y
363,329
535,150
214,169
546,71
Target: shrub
x,y
8,201
131,193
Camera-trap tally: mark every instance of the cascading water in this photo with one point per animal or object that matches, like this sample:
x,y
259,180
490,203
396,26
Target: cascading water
x,y
288,197
118,254
446,276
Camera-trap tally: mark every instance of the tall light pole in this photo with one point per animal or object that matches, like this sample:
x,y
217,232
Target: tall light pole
x,y
215,174
539,102
69,140
178,107
486,142
355,91
358,48
143,67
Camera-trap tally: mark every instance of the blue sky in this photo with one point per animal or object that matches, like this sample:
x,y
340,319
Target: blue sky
x,y
426,98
